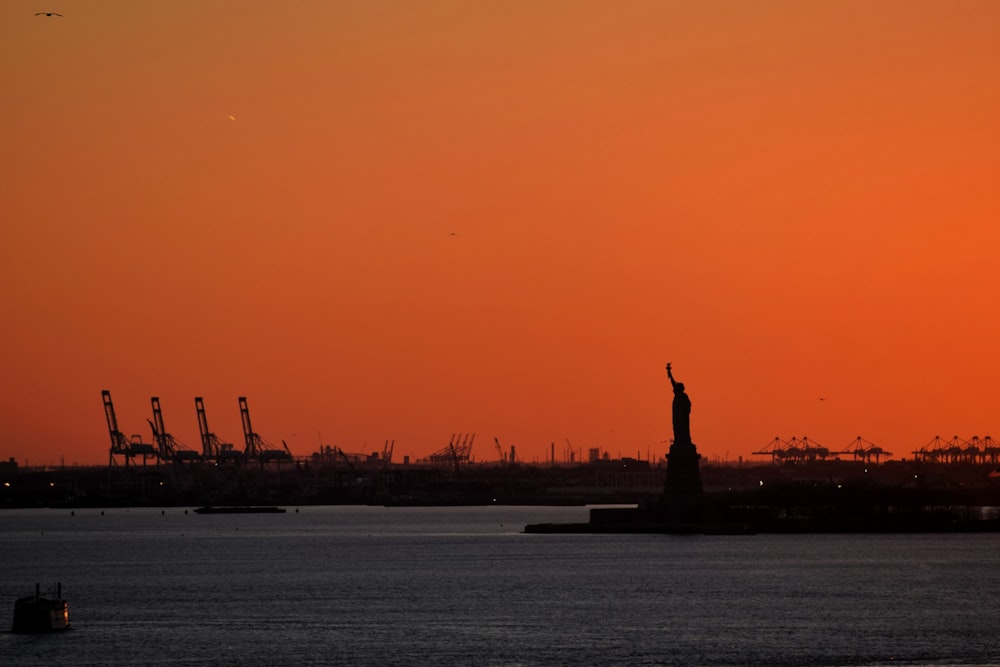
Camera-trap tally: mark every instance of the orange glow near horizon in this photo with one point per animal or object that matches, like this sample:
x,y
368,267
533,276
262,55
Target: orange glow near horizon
x,y
387,221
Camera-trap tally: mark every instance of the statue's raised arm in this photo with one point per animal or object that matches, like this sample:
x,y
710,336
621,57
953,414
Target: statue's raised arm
x,y
670,375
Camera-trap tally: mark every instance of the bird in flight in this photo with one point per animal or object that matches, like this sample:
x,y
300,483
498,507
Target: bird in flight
x,y
47,14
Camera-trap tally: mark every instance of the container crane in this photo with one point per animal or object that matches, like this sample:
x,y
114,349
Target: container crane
x,y
466,451
990,450
777,449
458,451
211,446
863,450
168,448
812,450
257,446
120,445
453,448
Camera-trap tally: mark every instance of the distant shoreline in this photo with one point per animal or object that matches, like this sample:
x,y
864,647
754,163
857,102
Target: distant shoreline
x,y
598,483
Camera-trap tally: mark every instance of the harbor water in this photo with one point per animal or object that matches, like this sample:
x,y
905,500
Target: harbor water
x,y
464,586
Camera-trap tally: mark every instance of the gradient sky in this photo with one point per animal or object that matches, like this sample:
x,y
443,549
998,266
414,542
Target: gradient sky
x,y
400,220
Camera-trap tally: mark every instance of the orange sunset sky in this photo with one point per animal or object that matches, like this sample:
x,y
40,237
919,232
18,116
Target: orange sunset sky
x,y
398,220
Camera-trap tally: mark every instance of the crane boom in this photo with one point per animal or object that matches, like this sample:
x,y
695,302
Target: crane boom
x,y
159,432
249,437
257,446
119,443
212,448
168,448
206,435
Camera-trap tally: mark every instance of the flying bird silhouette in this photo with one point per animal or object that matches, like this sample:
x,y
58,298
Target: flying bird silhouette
x,y
47,14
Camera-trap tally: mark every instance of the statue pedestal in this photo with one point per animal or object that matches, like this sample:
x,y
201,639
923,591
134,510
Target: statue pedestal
x,y
683,474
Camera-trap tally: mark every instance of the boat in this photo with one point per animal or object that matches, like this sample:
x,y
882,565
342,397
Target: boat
x,y
35,613
239,509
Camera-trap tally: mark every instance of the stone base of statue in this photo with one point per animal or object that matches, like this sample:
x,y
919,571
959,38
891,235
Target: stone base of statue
x,y
681,504
683,473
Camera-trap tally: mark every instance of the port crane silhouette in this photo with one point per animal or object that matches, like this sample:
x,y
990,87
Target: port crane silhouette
x,y
168,447
799,450
129,447
256,446
457,453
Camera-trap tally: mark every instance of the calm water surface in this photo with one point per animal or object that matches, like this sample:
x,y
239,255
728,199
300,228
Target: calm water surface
x,y
464,586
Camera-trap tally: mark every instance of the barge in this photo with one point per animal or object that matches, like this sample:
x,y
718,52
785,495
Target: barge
x,y
239,509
